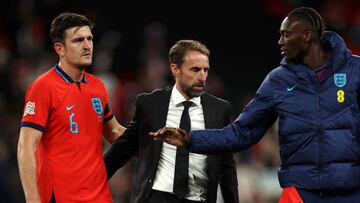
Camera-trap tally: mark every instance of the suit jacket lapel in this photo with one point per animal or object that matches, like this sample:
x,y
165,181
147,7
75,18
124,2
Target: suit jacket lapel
x,y
208,113
161,109
209,119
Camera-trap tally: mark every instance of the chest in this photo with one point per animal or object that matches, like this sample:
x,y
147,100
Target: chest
x,y
78,109
317,98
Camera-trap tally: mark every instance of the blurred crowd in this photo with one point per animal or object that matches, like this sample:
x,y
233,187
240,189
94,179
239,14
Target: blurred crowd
x,y
26,52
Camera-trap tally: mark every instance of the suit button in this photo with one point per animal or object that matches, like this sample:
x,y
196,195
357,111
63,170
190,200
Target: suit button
x,y
150,181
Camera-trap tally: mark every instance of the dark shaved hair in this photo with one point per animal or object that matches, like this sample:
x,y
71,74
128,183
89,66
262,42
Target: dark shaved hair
x,y
65,21
310,16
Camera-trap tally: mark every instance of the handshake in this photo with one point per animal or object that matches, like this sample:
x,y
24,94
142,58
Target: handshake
x,y
174,136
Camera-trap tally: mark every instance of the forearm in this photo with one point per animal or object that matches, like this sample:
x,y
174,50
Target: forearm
x,y
237,136
112,130
115,159
27,170
213,141
120,152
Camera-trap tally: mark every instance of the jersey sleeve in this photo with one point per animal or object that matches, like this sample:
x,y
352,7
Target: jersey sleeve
x,y
108,113
37,106
249,127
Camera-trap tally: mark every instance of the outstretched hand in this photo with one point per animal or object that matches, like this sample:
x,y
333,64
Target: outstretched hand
x,y
174,136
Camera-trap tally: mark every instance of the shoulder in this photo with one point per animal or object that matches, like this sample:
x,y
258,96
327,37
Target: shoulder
x,y
209,98
279,71
44,81
353,65
355,58
155,94
153,101
94,80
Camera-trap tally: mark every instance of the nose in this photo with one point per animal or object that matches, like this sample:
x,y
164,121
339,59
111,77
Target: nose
x,y
87,44
281,41
203,75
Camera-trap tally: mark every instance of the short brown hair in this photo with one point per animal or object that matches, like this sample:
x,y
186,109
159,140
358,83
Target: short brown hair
x,y
179,49
65,21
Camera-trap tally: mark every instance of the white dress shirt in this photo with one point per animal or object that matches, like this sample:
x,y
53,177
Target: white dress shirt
x,y
198,179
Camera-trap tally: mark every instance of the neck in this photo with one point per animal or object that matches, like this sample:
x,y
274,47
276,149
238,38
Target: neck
x,y
177,86
316,56
75,73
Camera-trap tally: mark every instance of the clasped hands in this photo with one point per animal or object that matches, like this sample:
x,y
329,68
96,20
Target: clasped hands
x,y
174,136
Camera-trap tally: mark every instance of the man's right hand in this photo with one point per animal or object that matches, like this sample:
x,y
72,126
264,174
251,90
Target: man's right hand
x,y
174,136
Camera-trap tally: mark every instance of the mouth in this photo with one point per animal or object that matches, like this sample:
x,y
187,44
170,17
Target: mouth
x,y
199,87
283,52
86,54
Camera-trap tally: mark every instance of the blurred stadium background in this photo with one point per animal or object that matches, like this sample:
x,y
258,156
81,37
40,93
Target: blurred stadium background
x,y
130,55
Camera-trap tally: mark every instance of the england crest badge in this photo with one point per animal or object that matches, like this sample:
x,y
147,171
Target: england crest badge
x,y
96,103
340,79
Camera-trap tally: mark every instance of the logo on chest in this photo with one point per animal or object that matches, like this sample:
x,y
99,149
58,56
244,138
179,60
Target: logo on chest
x,y
340,79
97,106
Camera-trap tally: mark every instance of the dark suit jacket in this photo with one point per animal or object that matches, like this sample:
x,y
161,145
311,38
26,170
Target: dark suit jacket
x,y
150,115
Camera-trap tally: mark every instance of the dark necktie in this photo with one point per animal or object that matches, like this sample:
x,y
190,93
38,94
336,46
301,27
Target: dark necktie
x,y
182,157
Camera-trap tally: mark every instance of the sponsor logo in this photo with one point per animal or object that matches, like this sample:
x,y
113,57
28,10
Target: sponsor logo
x,y
70,107
340,96
289,89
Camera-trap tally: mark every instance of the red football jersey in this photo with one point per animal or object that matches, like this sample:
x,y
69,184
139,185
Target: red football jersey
x,y
69,156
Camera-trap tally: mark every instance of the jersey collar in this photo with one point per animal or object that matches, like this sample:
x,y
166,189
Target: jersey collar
x,y
65,76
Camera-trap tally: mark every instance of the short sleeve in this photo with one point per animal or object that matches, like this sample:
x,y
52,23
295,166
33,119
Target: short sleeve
x,y
37,106
108,113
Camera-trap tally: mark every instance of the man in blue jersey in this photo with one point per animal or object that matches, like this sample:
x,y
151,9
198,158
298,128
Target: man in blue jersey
x,y
315,95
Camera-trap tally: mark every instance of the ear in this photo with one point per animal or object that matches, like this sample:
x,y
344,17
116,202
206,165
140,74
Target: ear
x,y
59,49
174,69
308,36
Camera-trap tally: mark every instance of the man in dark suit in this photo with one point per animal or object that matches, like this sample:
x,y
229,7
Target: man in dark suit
x,y
158,172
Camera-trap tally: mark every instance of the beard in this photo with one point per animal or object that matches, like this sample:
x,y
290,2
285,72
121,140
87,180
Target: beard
x,y
191,92
84,61
85,64
299,57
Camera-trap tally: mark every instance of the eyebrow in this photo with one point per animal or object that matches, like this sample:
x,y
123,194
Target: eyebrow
x,y
82,38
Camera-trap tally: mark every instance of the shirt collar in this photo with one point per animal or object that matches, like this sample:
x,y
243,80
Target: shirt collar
x,y
178,98
65,76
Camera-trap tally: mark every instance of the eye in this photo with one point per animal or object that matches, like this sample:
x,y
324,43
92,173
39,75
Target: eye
x,y
285,34
78,40
195,69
